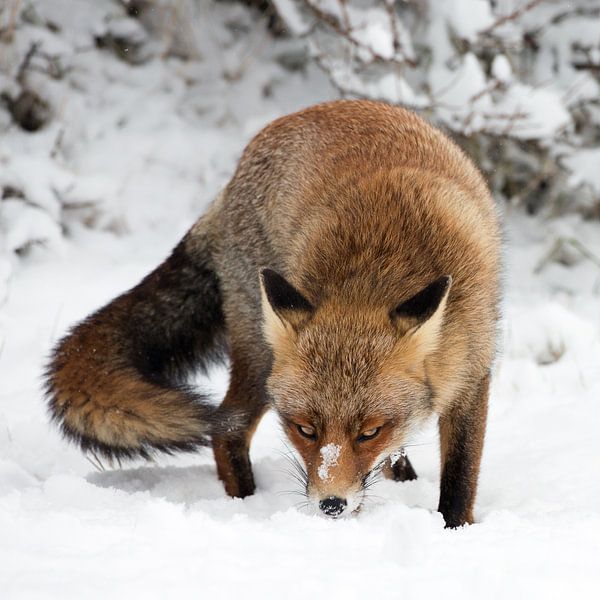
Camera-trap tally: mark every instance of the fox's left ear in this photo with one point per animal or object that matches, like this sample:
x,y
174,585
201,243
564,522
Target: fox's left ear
x,y
285,309
421,316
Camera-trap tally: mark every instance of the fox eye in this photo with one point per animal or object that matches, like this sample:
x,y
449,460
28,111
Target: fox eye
x,y
307,431
369,434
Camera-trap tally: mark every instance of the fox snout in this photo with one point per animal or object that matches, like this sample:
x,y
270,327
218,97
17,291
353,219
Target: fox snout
x,y
333,506
337,504
335,478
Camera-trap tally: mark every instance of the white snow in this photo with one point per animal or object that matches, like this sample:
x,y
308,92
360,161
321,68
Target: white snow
x,y
585,166
330,454
292,15
143,151
501,68
467,19
21,226
396,456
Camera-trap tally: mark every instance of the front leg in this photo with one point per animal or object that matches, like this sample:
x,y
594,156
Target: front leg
x,y
244,404
462,431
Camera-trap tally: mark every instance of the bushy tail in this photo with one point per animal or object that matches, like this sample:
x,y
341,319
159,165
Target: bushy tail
x,y
116,382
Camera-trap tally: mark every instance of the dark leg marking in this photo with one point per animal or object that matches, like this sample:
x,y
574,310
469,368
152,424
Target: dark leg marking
x,y
462,432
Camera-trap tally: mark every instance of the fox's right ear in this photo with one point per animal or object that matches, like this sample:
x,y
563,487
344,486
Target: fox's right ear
x,y
420,318
285,309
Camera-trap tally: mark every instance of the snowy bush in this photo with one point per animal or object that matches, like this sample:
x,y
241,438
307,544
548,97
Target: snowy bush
x,y
104,106
103,101
514,81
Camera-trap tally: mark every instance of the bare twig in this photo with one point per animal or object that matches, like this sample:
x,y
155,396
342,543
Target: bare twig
x,y
558,246
22,70
586,66
512,16
346,91
485,91
584,250
512,119
8,32
579,11
333,23
345,14
389,8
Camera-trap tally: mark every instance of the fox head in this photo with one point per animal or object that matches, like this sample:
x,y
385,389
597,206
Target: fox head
x,y
348,382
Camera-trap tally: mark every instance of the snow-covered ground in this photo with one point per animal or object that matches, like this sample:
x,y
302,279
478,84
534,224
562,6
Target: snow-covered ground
x,y
155,143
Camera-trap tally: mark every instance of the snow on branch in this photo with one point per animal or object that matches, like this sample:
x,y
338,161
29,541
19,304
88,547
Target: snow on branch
x,y
521,77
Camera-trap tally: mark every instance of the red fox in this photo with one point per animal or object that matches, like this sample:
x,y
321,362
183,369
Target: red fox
x,y
350,273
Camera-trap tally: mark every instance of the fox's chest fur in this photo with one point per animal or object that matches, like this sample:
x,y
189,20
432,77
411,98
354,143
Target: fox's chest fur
x,y
350,272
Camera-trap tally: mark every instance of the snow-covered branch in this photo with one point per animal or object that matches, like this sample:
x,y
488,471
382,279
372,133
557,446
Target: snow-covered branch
x,y
525,73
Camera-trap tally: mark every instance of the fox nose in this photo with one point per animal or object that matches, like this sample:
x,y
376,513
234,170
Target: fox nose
x,y
333,506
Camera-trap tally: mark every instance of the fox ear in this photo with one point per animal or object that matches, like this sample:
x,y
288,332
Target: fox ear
x,y
421,316
284,307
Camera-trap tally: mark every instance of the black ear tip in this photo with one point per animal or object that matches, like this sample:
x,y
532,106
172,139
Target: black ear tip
x,y
422,305
281,294
273,282
439,287
446,282
272,278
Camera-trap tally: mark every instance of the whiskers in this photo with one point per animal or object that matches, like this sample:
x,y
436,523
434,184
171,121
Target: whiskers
x,y
374,476
95,461
296,471
427,442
